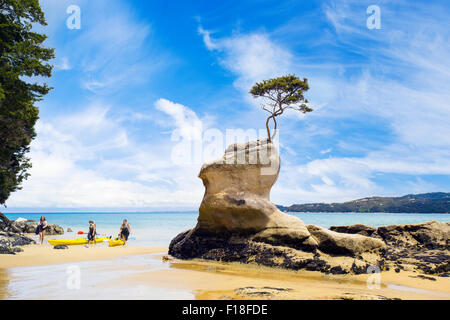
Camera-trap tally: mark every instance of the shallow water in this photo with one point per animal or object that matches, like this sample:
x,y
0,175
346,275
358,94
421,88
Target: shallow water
x,y
95,278
131,278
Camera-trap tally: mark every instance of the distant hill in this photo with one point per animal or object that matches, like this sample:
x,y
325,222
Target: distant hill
x,y
436,202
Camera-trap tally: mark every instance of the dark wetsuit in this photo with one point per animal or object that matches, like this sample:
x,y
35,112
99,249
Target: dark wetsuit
x,y
124,231
91,234
41,227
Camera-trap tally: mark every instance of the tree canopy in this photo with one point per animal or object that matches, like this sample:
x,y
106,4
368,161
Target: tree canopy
x,y
22,57
280,94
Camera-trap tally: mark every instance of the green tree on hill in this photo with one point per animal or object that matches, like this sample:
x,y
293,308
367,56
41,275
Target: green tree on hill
x,y
22,57
280,94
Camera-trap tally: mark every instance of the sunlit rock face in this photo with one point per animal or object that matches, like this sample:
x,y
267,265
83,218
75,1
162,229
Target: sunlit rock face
x,y
237,221
237,193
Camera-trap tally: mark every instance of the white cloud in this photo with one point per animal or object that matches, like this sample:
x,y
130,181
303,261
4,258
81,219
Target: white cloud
x,y
186,121
405,83
110,50
252,57
326,151
63,64
87,160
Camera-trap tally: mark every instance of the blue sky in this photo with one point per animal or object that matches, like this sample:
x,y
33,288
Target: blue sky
x,y
139,74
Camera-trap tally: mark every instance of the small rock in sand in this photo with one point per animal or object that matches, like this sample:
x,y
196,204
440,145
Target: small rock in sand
x,y
61,246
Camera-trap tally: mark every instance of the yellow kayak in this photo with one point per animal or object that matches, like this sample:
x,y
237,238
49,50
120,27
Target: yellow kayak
x,y
116,242
70,242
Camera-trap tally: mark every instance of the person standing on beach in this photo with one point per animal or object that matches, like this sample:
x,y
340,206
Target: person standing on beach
x,y
125,231
92,232
40,229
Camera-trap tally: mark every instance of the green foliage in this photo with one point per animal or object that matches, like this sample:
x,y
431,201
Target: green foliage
x,y
22,56
280,94
437,202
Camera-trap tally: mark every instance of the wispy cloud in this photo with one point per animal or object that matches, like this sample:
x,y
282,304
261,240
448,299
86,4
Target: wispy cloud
x,y
380,99
187,123
251,57
87,160
401,78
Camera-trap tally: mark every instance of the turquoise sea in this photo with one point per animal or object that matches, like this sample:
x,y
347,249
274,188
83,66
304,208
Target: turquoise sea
x,y
158,228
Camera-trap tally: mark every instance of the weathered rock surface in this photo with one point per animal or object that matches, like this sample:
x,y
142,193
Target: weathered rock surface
x,y
237,194
344,244
237,221
9,242
431,234
355,229
424,246
29,226
11,233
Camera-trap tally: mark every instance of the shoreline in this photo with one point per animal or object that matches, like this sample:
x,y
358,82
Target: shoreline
x,y
218,280
205,279
38,255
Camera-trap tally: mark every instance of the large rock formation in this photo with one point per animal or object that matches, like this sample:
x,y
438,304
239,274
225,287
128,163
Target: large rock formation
x,y
237,221
237,196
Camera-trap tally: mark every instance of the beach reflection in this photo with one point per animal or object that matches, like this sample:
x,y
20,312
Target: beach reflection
x,y
89,280
4,283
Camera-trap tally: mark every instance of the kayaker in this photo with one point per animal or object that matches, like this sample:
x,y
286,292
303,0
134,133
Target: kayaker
x,y
125,231
92,232
40,229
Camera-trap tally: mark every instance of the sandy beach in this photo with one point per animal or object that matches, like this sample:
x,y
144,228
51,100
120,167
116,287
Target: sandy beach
x,y
37,255
201,279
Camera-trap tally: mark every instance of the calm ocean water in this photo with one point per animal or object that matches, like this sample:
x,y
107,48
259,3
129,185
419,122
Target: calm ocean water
x,y
158,228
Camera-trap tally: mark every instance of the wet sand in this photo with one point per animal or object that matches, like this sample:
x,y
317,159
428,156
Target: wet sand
x,y
37,255
214,280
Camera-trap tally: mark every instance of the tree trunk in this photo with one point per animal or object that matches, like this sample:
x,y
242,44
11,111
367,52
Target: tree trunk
x,y
274,128
269,136
5,219
4,222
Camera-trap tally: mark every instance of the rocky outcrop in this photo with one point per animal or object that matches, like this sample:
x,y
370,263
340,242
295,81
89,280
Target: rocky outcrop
x,y
431,235
355,229
22,225
424,246
237,194
11,233
237,221
10,242
344,244
29,226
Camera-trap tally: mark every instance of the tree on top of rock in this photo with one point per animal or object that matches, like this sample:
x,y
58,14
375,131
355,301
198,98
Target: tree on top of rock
x,y
280,94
